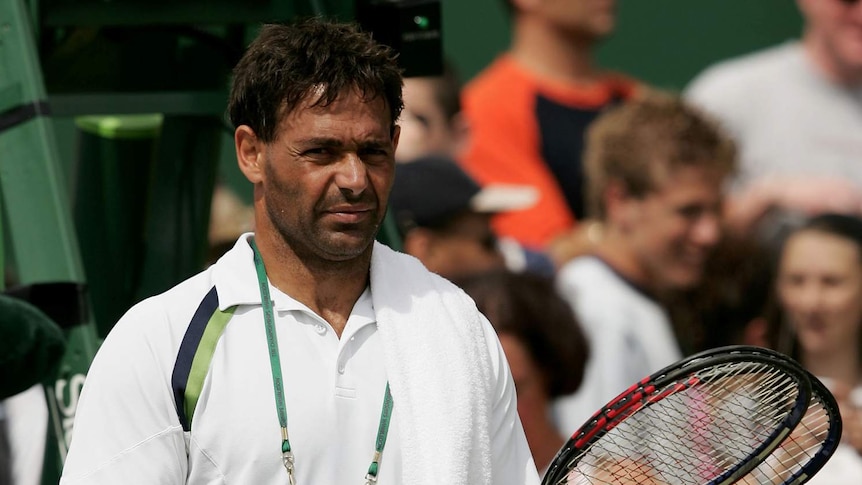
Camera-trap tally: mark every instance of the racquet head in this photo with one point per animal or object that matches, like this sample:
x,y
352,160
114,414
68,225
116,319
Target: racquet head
x,y
804,452
708,419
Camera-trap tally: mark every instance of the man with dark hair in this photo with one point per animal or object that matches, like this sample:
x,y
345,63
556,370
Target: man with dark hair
x,y
528,111
387,371
656,168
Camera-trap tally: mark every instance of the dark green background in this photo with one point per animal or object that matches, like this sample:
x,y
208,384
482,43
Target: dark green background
x,y
663,42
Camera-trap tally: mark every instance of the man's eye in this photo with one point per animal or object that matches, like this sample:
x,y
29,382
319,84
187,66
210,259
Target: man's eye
x,y
691,212
374,153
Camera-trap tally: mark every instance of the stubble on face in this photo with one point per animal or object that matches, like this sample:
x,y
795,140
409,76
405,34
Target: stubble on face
x,y
308,236
318,219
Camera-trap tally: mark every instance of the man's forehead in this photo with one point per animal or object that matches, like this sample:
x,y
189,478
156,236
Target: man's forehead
x,y
319,98
346,102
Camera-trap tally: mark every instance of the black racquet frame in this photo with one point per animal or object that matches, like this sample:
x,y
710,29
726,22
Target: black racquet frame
x,y
652,389
820,393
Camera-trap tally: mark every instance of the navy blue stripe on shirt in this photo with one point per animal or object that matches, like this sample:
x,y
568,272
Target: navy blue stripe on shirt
x,y
186,354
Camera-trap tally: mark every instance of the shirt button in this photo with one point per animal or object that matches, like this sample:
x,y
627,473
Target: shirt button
x,y
320,328
341,368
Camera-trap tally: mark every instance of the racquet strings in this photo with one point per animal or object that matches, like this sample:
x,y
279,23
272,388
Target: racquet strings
x,y
803,445
695,432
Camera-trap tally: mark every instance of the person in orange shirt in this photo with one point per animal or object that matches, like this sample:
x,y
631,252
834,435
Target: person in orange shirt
x,y
528,111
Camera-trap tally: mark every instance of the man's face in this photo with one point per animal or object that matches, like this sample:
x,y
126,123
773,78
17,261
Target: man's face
x,y
425,128
328,174
837,26
593,19
673,228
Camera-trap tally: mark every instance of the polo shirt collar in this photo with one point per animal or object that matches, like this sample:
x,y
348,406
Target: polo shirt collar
x,y
234,275
235,279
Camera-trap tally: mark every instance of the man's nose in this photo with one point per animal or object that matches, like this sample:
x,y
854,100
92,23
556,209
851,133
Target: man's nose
x,y
351,176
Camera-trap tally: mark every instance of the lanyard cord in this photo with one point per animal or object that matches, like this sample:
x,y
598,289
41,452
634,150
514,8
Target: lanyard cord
x,y
278,387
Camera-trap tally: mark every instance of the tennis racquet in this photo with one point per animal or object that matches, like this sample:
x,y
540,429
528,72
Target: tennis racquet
x,y
804,452
706,420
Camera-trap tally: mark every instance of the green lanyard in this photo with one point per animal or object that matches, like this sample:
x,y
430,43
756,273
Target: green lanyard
x,y
278,386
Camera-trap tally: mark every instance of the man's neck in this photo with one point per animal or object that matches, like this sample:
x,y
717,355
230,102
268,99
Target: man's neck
x,y
616,253
330,289
552,53
828,64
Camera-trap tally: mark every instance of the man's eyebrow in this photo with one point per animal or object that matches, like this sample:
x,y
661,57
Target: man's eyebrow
x,y
337,143
321,141
375,144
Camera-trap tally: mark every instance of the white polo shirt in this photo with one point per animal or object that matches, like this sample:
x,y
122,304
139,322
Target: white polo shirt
x,y
127,429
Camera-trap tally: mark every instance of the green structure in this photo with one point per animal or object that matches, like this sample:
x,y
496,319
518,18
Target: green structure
x,y
35,207
136,90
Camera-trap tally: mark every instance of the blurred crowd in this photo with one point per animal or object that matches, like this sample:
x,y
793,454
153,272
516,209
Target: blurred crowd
x,y
608,229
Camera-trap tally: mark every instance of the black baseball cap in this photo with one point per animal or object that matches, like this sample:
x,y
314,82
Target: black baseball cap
x,y
430,190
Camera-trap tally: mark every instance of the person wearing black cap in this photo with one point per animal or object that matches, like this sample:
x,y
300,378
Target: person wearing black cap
x,y
444,217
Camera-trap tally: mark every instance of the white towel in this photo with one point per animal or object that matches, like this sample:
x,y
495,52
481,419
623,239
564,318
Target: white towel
x,y
439,371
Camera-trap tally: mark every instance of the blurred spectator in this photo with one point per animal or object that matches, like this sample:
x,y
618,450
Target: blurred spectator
x,y
656,169
795,111
444,217
527,113
819,289
543,343
431,122
729,306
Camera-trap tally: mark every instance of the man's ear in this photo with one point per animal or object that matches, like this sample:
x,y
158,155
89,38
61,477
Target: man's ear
x,y
459,128
396,135
250,153
621,207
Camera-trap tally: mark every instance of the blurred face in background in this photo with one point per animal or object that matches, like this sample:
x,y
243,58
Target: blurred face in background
x,y
672,229
426,129
820,290
834,31
464,247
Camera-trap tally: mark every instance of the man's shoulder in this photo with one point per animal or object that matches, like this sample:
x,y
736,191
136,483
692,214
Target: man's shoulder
x,y
503,81
585,271
749,72
414,276
597,290
169,311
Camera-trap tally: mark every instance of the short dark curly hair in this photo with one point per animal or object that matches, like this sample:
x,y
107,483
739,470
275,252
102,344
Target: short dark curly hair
x,y
286,63
528,307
